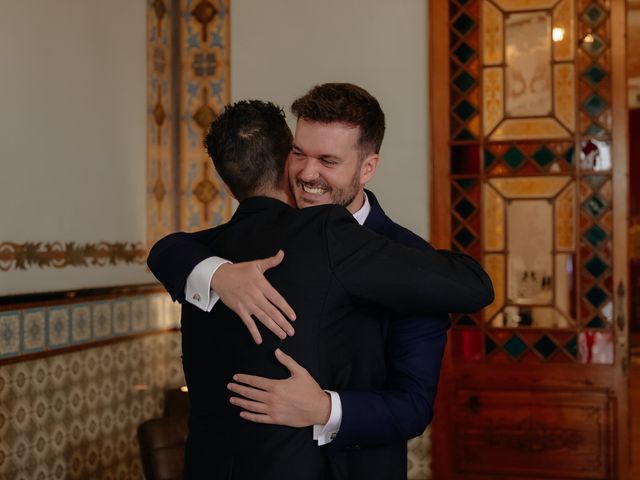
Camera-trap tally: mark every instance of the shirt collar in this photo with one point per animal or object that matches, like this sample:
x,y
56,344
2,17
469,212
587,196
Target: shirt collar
x,y
362,214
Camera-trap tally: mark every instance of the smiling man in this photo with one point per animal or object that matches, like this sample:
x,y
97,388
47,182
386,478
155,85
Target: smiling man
x,y
396,361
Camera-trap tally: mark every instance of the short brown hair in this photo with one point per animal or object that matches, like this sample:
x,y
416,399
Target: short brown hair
x,y
344,103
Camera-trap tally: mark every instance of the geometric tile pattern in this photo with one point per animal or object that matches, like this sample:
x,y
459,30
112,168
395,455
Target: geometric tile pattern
x,y
74,415
531,346
474,161
464,45
508,159
203,91
161,120
465,215
49,328
594,67
188,85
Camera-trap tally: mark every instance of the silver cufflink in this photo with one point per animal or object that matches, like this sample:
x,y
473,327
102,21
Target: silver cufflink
x,y
196,297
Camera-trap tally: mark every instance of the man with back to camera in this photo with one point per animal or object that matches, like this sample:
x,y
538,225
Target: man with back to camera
x,y
339,132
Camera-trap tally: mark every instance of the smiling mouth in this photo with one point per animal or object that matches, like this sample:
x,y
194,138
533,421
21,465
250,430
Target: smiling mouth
x,y
314,189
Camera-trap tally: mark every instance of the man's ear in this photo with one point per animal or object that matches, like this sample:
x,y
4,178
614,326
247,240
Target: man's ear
x,y
368,168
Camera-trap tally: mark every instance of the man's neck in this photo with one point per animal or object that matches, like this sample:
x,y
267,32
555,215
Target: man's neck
x,y
275,193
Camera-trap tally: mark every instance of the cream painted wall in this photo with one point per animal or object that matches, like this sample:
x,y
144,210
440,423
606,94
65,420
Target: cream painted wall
x,y
281,48
72,133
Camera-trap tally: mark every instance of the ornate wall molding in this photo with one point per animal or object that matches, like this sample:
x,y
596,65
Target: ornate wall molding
x,y
22,256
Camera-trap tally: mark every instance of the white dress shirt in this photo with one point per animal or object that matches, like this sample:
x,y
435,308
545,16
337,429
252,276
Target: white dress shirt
x,y
199,293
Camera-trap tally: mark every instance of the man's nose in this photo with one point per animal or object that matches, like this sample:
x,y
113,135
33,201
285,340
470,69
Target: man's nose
x,y
309,169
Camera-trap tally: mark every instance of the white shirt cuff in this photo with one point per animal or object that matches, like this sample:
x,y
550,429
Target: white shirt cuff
x,y
198,291
326,433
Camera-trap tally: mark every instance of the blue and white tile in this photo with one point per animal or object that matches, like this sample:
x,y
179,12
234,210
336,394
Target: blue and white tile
x,y
34,332
139,314
156,312
173,310
9,334
80,323
121,317
102,327
58,327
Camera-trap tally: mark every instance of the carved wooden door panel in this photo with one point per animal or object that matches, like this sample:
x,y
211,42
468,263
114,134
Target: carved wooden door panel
x,y
530,178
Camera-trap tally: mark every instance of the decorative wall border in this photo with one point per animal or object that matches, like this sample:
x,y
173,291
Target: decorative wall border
x,y
21,256
59,327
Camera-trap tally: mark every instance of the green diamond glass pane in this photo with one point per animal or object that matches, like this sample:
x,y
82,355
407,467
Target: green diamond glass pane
x,y
464,24
463,2
465,110
595,181
544,156
569,155
466,321
545,346
466,183
514,157
489,158
596,322
595,235
594,75
594,131
465,134
515,346
464,208
595,46
489,345
596,266
464,53
594,205
572,347
594,15
464,81
464,237
596,296
594,105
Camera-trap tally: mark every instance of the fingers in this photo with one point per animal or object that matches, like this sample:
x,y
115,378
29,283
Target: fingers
x,y
261,383
257,407
272,325
288,362
267,263
251,326
258,418
278,300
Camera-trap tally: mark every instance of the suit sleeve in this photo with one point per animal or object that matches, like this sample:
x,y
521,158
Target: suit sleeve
x,y
173,258
404,407
406,280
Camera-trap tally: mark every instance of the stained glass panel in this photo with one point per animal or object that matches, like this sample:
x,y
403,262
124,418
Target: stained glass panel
x,y
494,265
529,187
493,210
565,219
528,64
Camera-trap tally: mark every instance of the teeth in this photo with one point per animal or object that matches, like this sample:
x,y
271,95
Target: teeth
x,y
313,190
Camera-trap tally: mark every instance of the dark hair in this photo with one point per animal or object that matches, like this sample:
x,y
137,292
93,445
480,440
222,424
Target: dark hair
x,y
249,144
344,103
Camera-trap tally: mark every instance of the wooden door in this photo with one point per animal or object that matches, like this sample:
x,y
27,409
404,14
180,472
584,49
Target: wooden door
x,y
530,177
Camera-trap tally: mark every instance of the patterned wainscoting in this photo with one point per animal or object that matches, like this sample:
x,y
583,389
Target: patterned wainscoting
x,y
74,413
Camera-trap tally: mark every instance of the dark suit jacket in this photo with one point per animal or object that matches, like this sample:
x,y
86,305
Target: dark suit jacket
x,y
331,265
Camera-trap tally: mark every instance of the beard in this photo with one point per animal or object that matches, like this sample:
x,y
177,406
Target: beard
x,y
339,196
